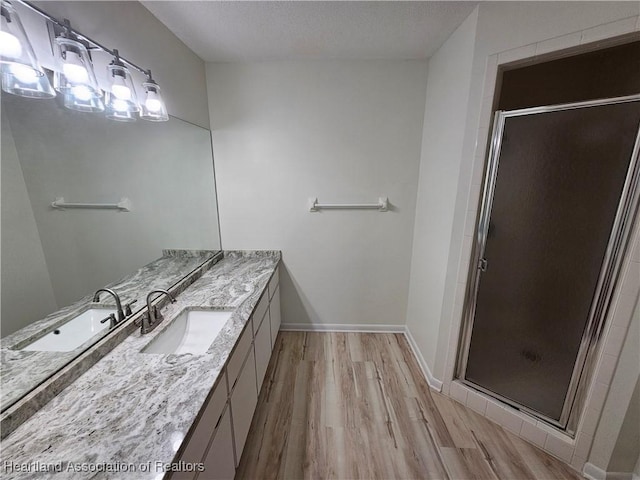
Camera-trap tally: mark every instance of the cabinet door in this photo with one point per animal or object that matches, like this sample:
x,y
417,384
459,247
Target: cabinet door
x,y
218,462
274,313
244,399
203,431
262,345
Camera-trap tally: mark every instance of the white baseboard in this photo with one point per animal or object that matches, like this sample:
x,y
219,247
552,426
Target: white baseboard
x,y
339,327
431,380
356,328
591,472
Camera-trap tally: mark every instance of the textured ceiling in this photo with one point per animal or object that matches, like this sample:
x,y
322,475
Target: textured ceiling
x,y
236,31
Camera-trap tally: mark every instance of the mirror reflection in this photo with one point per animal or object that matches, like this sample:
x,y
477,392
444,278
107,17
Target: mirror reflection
x,y
54,259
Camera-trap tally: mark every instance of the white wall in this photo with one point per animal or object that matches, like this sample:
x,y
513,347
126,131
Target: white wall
x,y
627,448
27,292
141,38
344,131
448,85
616,443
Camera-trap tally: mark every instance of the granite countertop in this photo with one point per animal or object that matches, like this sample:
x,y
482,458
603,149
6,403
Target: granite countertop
x,y
22,370
132,409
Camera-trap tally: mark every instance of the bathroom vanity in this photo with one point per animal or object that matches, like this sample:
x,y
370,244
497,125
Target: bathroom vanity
x,y
217,437
143,412
36,351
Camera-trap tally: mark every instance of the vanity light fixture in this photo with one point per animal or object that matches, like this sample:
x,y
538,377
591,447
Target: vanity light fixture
x,y
153,108
122,102
21,74
74,77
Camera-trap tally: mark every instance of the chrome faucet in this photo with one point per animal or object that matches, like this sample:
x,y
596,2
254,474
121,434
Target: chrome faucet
x,y
96,298
152,316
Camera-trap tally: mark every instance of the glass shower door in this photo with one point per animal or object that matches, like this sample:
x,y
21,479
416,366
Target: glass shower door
x,y
552,196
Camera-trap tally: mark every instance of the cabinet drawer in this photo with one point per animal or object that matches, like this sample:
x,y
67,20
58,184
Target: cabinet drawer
x,y
219,462
273,283
262,345
239,354
275,316
199,440
244,399
260,310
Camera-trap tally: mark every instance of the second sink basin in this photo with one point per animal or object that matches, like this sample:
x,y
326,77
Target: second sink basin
x,y
193,331
73,333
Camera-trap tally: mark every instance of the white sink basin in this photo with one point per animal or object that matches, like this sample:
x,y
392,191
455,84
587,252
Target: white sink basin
x,y
75,332
193,331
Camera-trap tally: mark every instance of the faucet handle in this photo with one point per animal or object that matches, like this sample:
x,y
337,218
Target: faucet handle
x,y
127,308
111,319
149,320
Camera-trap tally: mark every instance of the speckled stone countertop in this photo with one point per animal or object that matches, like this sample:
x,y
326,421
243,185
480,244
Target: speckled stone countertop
x,y
133,409
22,370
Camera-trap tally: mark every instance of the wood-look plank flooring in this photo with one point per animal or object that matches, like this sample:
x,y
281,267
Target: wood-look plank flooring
x,y
356,406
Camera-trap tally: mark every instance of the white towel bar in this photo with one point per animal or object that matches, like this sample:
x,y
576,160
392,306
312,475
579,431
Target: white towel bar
x,y
382,205
123,205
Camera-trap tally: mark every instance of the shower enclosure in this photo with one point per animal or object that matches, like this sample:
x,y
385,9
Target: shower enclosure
x,y
560,195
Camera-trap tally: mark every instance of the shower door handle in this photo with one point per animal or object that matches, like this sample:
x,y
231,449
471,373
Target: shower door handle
x,y
482,264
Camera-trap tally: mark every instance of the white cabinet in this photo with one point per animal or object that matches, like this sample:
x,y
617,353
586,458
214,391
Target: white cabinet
x,y
219,461
210,426
244,399
262,344
274,314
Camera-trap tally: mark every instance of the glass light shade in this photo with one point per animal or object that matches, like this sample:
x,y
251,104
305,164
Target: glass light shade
x,y
121,100
82,99
153,107
121,115
23,81
74,68
17,57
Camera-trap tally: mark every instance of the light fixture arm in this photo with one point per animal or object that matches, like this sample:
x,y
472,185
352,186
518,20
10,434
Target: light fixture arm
x,y
150,78
66,26
116,58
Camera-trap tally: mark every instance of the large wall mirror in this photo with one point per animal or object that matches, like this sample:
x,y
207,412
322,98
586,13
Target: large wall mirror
x,y
55,259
